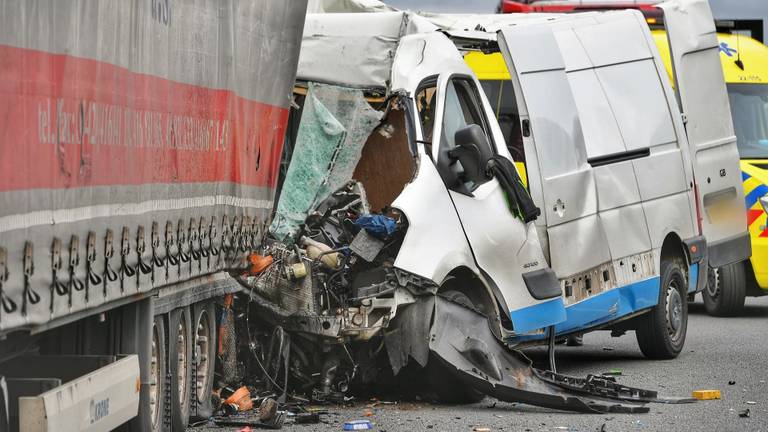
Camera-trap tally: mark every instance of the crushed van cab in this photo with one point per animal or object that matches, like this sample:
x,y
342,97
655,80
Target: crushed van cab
x,y
404,231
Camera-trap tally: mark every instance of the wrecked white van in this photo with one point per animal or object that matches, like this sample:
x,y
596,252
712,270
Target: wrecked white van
x,y
403,230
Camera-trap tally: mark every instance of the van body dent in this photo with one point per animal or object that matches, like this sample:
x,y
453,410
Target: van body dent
x,y
626,210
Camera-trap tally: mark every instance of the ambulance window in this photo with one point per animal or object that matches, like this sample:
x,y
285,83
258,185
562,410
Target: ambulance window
x,y
501,95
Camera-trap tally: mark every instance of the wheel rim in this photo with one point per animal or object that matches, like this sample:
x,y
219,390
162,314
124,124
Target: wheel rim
x,y
203,339
674,311
155,374
181,349
713,284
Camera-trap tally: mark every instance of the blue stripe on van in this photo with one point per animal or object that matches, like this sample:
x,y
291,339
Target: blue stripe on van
x,y
538,316
693,278
602,308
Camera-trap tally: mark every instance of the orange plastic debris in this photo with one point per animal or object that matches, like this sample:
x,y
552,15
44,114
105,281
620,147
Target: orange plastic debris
x,y
368,412
259,263
242,398
706,394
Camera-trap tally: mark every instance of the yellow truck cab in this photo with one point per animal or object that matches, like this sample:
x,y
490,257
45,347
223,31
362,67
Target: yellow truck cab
x,y
745,66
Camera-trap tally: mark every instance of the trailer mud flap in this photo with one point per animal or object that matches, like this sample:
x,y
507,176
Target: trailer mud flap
x,y
462,339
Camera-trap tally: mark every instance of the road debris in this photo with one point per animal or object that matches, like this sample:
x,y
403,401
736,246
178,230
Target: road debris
x,y
751,403
706,394
744,413
357,425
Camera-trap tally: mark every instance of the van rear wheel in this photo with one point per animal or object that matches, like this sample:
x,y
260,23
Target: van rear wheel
x,y
661,332
726,290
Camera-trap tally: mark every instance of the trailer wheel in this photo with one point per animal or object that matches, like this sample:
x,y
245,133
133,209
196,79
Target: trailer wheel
x,y
204,326
157,374
444,383
180,361
726,290
661,332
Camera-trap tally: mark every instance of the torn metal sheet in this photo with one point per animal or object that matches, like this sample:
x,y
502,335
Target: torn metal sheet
x,y
335,124
356,51
461,338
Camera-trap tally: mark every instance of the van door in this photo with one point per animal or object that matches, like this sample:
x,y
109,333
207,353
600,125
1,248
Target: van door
x,y
503,246
577,240
701,91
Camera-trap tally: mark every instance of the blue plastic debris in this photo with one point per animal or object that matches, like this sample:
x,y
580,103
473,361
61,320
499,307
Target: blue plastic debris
x,y
358,425
377,225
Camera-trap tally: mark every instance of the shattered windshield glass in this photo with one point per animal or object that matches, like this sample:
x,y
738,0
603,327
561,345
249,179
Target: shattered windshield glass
x,y
335,125
749,107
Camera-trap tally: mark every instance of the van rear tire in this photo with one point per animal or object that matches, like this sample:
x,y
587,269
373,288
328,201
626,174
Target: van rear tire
x,y
726,290
661,332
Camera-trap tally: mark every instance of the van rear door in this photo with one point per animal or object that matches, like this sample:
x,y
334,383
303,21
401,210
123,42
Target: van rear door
x,y
703,100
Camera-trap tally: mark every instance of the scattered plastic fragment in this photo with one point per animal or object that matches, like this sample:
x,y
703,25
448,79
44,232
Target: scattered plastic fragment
x,y
368,412
241,398
378,225
706,394
358,425
246,429
259,263
751,403
481,429
607,348
613,372
731,382
744,413
639,424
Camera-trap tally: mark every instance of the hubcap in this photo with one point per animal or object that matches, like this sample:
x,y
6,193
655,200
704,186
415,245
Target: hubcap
x,y
674,311
155,374
203,338
182,352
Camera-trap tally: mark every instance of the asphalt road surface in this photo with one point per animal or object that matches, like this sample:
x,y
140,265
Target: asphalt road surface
x,y
717,351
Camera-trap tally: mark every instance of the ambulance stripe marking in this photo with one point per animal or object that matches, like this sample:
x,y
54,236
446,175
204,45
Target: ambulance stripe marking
x,y
744,176
752,197
753,215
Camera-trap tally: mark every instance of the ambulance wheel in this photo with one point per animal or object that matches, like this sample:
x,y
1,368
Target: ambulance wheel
x,y
204,326
157,373
726,290
445,384
661,332
179,366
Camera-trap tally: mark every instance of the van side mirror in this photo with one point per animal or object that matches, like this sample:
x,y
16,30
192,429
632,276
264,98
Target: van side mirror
x,y
473,151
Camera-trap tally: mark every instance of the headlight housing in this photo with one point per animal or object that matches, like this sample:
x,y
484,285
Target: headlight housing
x,y
764,203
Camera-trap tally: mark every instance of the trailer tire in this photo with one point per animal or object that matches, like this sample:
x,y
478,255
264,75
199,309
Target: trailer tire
x,y
158,373
661,332
204,326
726,290
179,362
445,384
